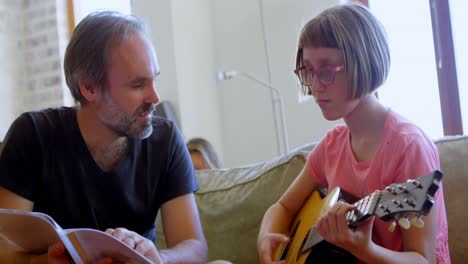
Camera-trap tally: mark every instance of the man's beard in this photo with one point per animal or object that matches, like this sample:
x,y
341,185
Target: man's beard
x,y
124,126
144,131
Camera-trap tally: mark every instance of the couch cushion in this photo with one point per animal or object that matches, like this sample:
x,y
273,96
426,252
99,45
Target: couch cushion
x,y
453,153
232,203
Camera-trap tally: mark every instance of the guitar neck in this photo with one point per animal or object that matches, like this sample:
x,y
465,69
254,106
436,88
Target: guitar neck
x,y
364,209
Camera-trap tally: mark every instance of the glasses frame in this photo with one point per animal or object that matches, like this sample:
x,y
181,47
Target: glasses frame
x,y
315,74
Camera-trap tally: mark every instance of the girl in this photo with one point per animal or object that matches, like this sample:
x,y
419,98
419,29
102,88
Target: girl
x,y
342,58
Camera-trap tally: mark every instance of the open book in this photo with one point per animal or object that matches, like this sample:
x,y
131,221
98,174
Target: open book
x,y
34,232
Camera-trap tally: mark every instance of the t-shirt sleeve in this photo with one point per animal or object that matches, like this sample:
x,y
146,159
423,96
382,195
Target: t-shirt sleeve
x,y
20,159
420,158
180,178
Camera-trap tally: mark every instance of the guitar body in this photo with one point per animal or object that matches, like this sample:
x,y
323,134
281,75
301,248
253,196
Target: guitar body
x,y
323,252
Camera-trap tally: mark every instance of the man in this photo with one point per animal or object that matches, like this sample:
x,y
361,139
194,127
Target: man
x,y
107,163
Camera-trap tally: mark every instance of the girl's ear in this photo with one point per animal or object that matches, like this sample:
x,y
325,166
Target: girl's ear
x,y
88,89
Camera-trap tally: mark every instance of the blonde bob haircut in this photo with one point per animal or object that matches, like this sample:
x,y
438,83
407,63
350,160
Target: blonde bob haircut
x,y
359,36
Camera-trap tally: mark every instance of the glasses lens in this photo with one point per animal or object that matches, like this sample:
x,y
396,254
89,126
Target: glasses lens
x,y
305,76
325,76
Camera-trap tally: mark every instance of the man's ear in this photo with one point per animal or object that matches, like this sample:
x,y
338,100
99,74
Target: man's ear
x,y
88,89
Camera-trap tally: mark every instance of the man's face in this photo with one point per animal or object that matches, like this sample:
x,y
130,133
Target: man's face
x,y
126,104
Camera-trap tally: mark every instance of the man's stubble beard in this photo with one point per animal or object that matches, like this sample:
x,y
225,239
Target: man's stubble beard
x,y
124,126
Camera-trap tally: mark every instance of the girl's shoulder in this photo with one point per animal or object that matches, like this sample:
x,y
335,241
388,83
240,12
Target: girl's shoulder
x,y
402,131
338,134
339,130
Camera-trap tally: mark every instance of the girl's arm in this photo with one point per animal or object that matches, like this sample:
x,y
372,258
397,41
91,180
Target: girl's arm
x,y
278,217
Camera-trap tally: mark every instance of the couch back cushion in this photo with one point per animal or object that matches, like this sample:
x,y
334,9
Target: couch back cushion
x,y
453,153
232,202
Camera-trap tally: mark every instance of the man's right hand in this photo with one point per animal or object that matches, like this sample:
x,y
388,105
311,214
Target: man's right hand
x,y
57,254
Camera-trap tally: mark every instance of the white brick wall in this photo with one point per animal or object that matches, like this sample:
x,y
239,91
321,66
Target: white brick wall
x,y
41,47
11,60
33,34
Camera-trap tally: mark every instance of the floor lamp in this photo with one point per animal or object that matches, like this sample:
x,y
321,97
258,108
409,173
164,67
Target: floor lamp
x,y
281,132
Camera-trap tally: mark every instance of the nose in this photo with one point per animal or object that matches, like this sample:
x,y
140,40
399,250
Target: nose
x,y
317,86
152,95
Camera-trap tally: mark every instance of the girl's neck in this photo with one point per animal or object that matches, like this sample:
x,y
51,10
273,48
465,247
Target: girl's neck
x,y
366,124
367,119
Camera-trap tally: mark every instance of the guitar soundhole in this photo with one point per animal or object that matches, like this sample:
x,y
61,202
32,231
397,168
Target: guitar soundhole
x,y
325,252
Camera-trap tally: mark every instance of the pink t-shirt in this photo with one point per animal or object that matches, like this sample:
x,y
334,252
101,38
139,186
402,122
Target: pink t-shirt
x,y
405,152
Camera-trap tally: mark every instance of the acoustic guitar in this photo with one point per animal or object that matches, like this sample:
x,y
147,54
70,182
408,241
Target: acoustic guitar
x,y
403,203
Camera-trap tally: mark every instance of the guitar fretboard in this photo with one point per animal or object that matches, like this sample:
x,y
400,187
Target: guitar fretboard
x,y
364,209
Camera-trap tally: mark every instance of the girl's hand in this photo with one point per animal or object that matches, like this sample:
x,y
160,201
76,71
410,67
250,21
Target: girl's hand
x,y
333,227
267,244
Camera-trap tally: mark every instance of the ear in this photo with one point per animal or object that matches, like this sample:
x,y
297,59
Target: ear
x,y
89,90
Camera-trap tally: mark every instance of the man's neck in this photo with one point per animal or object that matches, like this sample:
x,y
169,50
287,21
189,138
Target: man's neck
x,y
105,146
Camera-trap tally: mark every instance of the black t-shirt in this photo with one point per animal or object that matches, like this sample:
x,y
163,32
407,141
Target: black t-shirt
x,y
46,161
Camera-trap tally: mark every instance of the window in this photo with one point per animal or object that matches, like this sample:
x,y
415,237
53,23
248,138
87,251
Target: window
x,y
459,19
422,84
411,87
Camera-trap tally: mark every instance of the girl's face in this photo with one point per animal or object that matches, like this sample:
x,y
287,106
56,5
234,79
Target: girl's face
x,y
332,98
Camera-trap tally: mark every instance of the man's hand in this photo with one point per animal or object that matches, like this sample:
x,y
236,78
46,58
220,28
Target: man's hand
x,y
57,254
139,243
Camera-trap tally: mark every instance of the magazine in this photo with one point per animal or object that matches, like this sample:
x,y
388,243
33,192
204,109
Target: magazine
x,y
34,232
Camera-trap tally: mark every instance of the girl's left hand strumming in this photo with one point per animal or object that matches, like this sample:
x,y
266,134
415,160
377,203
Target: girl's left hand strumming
x,y
333,227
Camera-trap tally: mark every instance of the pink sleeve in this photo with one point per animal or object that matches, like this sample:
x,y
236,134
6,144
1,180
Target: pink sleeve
x,y
316,161
420,158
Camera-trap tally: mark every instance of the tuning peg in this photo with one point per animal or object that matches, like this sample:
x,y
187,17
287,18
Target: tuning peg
x,y
397,203
409,202
390,189
404,222
392,226
415,183
417,221
402,188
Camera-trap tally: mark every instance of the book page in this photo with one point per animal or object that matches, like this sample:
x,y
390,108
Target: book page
x,y
93,245
30,231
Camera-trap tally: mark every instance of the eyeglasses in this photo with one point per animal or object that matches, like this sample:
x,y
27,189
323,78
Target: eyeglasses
x,y
325,75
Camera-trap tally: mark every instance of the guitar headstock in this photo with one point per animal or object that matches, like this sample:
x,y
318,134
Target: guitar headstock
x,y
400,200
